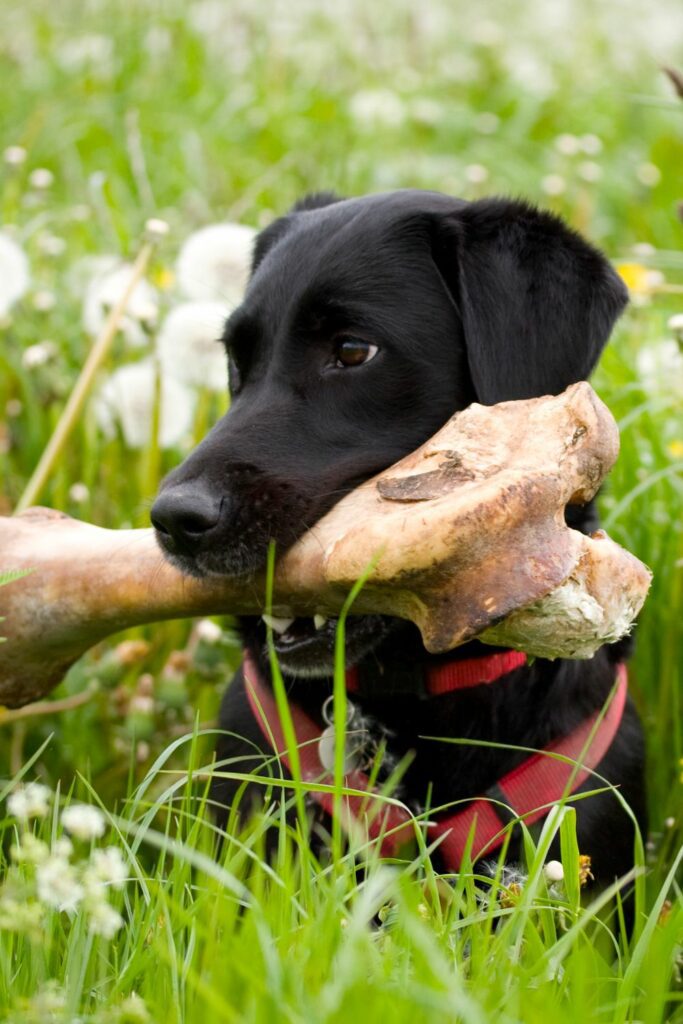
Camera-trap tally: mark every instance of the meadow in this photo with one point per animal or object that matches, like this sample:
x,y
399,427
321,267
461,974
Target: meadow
x,y
117,903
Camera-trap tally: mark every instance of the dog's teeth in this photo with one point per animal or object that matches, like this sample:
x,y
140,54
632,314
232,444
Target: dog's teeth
x,y
319,621
277,625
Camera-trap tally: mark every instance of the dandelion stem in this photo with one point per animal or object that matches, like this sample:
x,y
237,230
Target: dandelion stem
x,y
81,389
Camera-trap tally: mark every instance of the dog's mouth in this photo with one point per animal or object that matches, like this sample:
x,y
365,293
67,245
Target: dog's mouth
x,y
306,646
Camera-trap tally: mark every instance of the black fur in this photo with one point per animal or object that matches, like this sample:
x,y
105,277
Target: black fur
x,y
482,301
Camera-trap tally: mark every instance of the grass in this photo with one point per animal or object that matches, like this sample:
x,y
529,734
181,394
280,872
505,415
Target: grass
x,y
198,112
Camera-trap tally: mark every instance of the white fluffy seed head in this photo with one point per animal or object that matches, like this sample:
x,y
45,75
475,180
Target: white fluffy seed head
x,y
554,872
83,821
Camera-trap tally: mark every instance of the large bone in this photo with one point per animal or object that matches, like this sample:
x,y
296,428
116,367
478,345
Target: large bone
x,y
466,537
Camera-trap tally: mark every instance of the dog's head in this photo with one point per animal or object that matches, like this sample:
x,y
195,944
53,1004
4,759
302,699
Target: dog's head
x,y
366,324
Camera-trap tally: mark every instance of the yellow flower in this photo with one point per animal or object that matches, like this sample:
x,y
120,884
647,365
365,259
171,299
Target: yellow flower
x,y
163,278
675,449
634,276
641,281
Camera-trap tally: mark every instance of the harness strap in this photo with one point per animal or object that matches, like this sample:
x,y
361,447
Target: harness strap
x,y
528,790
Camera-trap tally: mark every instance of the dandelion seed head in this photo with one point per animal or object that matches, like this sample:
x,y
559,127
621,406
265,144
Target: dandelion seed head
x,y
110,281
127,399
214,263
14,273
188,348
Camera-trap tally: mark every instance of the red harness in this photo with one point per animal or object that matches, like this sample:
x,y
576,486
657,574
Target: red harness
x,y
528,791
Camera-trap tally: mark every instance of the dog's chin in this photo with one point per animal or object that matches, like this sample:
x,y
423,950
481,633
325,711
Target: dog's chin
x,y
229,562
307,652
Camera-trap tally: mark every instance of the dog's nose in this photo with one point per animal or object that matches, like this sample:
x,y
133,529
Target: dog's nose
x,y
184,516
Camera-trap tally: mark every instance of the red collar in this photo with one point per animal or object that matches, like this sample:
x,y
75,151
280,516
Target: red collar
x,y
527,792
435,680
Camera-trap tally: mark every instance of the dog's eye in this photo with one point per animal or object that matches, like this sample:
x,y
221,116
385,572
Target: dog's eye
x,y
351,351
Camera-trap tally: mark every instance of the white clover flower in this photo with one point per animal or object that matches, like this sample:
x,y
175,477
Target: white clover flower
x,y
188,348
79,492
487,123
648,175
134,1010
37,355
568,145
30,850
103,919
141,704
675,325
20,915
214,263
372,108
44,301
661,364
57,884
79,53
14,273
41,178
127,398
426,111
589,170
156,229
591,144
553,184
554,872
51,245
14,156
208,631
477,174
108,867
30,801
643,249
110,281
84,821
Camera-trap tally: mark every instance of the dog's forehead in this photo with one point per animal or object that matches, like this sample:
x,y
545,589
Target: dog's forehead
x,y
341,243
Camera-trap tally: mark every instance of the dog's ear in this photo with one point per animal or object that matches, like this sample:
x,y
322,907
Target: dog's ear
x,y
271,235
537,302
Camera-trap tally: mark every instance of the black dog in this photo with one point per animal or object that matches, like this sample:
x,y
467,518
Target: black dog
x,y
367,323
